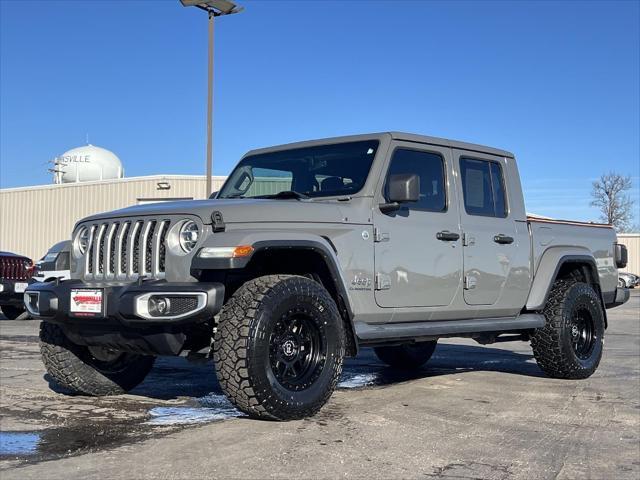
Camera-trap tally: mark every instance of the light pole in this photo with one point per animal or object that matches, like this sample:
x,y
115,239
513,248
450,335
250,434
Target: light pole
x,y
214,8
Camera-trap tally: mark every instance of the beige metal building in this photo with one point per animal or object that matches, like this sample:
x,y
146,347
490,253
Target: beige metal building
x,y
34,218
632,242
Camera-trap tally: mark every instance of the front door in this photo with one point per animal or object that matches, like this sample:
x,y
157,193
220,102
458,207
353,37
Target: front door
x,y
418,254
490,238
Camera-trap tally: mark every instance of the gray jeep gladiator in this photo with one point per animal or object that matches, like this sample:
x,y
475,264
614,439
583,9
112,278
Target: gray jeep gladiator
x,y
315,249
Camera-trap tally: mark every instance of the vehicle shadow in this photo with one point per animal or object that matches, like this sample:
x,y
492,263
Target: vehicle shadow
x,y
172,377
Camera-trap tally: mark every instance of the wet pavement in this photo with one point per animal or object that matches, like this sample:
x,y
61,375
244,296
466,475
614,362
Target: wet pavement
x,y
473,412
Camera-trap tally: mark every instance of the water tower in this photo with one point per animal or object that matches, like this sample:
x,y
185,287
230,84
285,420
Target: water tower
x,y
87,163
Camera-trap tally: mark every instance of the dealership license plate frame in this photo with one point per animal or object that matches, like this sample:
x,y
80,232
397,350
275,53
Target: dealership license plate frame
x,y
89,309
20,287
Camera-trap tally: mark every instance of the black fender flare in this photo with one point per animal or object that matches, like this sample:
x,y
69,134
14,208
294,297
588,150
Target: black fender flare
x,y
321,246
544,279
327,252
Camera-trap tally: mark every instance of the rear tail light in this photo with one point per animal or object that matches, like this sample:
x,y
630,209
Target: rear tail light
x,y
620,255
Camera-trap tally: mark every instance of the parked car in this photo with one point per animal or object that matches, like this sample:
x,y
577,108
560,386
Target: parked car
x,y
15,272
313,250
55,264
628,280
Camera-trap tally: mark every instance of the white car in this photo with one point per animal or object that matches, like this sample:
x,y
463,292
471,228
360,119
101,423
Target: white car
x,y
627,280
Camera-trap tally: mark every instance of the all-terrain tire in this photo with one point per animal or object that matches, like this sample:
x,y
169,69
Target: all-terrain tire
x,y
12,312
407,357
255,336
73,366
560,347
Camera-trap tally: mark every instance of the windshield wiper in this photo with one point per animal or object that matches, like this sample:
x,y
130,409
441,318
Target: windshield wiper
x,y
285,194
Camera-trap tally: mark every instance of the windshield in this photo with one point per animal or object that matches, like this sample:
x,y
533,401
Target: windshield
x,y
326,170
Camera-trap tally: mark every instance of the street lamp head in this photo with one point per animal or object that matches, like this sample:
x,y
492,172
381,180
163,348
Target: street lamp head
x,y
218,7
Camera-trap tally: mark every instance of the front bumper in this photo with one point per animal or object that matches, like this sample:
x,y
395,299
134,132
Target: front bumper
x,y
8,294
51,302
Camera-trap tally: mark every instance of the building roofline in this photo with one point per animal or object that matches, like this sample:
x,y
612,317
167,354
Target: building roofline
x,y
160,177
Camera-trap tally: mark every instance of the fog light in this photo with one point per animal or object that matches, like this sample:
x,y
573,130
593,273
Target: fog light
x,y
31,301
159,306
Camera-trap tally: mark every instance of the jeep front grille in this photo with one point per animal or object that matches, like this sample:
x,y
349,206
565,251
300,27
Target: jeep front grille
x,y
125,250
15,268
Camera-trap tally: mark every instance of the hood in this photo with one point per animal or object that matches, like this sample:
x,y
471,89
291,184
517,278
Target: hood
x,y
248,210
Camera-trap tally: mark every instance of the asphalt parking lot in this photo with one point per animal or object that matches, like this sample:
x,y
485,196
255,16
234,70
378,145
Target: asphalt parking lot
x,y
473,412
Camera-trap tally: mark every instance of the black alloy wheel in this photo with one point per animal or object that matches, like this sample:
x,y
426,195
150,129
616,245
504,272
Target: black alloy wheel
x,y
298,350
583,334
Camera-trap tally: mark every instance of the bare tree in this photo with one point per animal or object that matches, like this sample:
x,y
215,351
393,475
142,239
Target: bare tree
x,y
610,197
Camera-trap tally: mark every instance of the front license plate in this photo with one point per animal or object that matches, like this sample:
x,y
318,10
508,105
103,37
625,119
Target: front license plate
x,y
20,287
85,302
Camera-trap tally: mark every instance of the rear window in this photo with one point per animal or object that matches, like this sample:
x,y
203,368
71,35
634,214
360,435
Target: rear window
x,y
483,188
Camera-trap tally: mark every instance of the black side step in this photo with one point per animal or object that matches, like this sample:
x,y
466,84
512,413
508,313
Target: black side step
x,y
373,333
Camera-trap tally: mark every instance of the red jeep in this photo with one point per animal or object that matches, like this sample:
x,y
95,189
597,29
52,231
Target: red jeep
x,y
15,273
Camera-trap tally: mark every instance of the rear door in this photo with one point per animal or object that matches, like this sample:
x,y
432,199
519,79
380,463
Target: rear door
x,y
416,265
490,237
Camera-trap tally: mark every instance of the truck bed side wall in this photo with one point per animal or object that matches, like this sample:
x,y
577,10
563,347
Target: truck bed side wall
x,y
575,239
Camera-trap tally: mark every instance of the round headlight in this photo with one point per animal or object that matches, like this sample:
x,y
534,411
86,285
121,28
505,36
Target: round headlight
x,y
82,240
189,234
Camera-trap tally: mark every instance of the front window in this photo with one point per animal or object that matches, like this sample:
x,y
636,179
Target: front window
x,y
430,168
323,171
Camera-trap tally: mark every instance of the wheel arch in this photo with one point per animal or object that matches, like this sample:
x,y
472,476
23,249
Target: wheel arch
x,y
563,263
292,253
316,257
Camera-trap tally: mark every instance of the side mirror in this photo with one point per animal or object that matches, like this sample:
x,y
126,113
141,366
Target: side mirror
x,y
404,187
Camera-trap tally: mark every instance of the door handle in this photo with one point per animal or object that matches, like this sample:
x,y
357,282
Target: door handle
x,y
447,236
503,239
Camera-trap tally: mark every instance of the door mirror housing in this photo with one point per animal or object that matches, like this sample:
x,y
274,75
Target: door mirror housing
x,y
402,188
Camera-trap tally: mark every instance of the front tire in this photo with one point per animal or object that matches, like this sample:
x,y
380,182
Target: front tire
x,y
12,312
407,357
278,347
570,344
90,371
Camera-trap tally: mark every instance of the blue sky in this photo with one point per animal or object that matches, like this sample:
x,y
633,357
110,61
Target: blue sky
x,y
555,82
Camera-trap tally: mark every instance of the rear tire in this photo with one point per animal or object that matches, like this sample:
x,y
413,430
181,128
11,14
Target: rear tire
x,y
12,312
570,345
407,357
78,368
278,347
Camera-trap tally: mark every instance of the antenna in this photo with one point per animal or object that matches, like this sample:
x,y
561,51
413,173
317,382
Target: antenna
x,y
87,137
57,169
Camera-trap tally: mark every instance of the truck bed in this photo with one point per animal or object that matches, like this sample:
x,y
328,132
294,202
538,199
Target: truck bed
x,y
595,239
